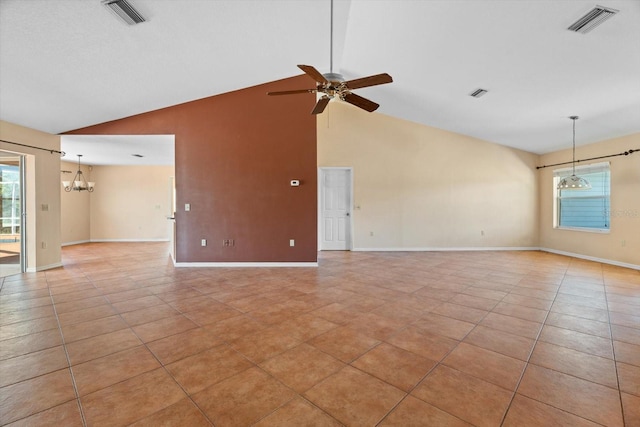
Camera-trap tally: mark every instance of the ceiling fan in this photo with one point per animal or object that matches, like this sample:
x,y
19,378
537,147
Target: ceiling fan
x,y
333,85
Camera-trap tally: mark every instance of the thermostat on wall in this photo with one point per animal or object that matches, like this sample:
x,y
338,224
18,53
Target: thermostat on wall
x,y
295,183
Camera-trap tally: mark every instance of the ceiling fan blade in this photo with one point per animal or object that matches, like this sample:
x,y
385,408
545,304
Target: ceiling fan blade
x,y
321,105
361,102
313,73
378,79
292,92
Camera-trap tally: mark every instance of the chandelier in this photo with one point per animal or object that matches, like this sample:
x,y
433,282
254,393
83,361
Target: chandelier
x,y
79,183
574,182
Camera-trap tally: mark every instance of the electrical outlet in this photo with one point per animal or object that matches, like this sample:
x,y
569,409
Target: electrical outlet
x,y
292,242
187,207
203,242
482,232
228,242
44,245
371,233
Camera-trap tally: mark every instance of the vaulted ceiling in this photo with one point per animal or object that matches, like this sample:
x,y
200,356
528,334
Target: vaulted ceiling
x,y
66,64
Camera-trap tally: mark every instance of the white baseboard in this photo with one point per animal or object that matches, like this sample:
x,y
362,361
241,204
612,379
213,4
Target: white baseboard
x,y
77,242
517,248
127,240
80,242
315,264
439,249
592,258
44,267
245,264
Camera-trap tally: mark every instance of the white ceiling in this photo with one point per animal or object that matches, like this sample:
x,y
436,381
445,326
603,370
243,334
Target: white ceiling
x,y
119,149
66,64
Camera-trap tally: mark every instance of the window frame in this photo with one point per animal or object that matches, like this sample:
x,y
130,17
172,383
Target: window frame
x,y
558,174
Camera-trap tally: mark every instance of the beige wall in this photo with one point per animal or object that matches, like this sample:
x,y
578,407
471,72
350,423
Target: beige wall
x,y
75,208
625,204
422,187
417,187
43,193
130,203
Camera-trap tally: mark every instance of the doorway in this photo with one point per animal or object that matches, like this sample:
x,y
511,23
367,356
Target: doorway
x,y
334,222
12,242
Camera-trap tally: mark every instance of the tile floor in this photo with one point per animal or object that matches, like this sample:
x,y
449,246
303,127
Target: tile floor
x,y
120,337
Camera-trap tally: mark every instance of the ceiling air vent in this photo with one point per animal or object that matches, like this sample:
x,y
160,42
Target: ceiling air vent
x,y
592,19
137,155
124,11
478,93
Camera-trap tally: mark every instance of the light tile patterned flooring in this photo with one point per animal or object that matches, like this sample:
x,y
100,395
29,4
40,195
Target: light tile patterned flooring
x,y
120,337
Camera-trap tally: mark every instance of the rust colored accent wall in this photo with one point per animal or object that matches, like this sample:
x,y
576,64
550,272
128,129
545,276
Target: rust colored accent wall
x,y
236,154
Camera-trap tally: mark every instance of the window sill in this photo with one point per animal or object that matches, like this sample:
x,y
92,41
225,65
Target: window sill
x,y
587,230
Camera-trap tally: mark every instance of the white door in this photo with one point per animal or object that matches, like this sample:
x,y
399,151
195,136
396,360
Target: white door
x,y
335,204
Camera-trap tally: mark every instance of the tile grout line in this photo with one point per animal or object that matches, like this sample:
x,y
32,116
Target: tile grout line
x,y
536,340
254,365
296,393
466,335
257,365
613,349
571,375
438,363
66,353
162,365
176,382
515,390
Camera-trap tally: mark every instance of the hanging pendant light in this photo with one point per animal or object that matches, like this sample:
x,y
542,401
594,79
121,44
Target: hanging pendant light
x,y
79,183
574,182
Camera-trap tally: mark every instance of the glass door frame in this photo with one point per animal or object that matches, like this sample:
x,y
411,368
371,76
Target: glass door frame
x,y
23,215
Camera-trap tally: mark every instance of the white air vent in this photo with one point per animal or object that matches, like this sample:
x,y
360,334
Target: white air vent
x,y
123,10
478,93
592,19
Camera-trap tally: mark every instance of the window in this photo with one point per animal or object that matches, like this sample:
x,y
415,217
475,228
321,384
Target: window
x,y
584,209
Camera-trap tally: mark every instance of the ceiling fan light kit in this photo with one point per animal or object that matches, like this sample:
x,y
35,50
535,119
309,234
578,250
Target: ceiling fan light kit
x,y
574,182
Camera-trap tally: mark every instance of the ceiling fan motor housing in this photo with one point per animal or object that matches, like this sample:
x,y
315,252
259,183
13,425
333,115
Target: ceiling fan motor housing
x,y
334,77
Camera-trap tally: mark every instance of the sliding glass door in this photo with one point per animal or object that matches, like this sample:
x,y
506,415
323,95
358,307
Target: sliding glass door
x,y
11,214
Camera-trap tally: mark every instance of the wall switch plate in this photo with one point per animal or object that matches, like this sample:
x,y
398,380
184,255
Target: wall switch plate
x,y
292,242
203,242
187,207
